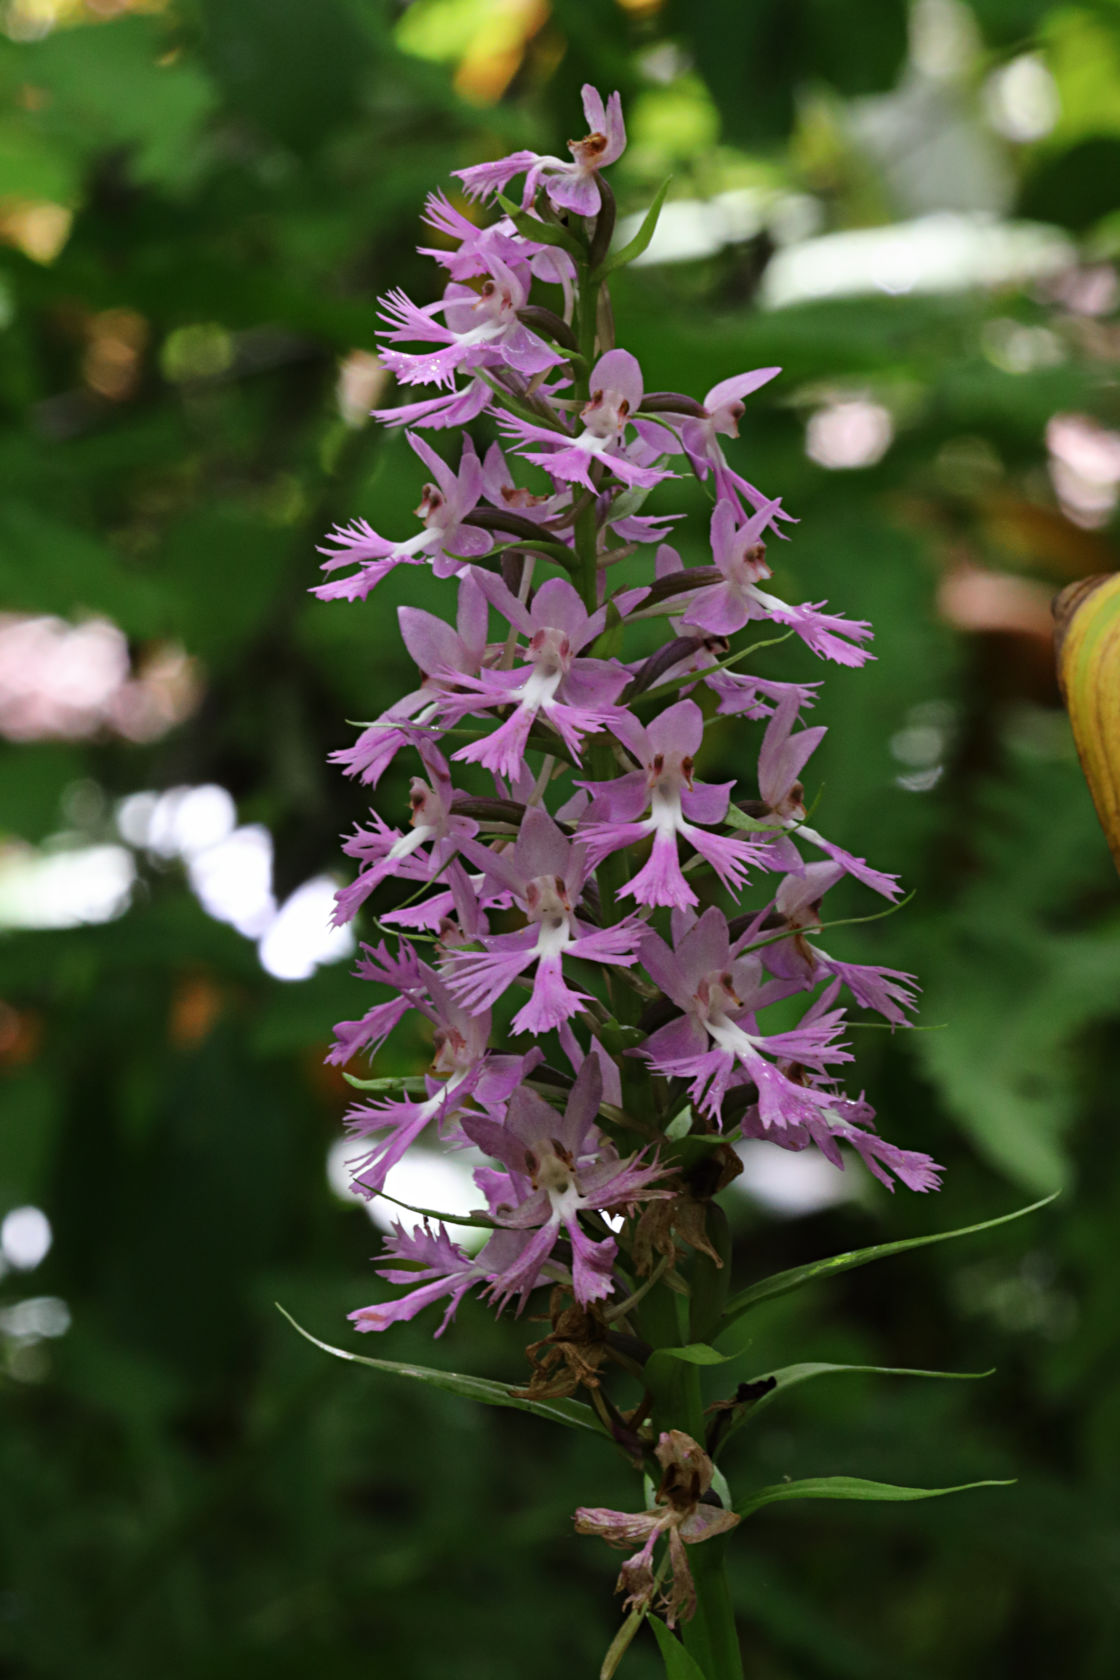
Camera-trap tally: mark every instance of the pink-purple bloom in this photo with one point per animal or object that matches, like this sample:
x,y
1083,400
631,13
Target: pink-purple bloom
x,y
565,851
570,185
616,396
618,955
444,541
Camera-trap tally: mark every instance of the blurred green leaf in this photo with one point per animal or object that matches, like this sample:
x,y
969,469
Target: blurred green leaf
x,y
851,1487
756,58
33,776
119,84
679,1664
1074,188
296,73
641,240
782,1282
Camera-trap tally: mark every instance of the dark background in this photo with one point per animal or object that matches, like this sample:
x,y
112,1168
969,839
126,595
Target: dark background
x,y
198,206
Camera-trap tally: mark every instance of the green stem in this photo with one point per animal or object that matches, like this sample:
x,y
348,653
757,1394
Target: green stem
x,y
587,525
711,1636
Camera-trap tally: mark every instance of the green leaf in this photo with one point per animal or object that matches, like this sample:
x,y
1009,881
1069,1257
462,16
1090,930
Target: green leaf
x,y
543,233
679,1665
788,1376
388,1083
570,1412
641,239
753,825
693,1353
608,642
1072,188
851,1487
782,1282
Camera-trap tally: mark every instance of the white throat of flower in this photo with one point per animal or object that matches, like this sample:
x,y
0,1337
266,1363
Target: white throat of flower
x,y
555,1174
668,777
547,904
714,998
551,654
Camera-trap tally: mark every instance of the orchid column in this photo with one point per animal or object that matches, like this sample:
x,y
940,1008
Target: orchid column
x,y
593,928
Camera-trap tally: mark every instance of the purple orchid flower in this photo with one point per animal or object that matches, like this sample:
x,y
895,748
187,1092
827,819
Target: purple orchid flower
x,y
462,1071
676,804
535,838
725,607
741,695
480,329
798,899
827,1118
501,491
435,646
545,874
616,394
387,851
699,434
716,1041
557,1167
574,694
437,1269
444,506
570,186
781,759
478,245
452,408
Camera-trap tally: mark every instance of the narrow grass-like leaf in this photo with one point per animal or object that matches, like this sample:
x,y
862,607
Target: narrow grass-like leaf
x,y
851,1487
679,1664
641,239
570,1412
753,825
788,1376
782,1282
542,233
693,1353
414,1086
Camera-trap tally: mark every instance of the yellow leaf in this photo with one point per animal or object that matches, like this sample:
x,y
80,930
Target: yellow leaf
x,y
1087,635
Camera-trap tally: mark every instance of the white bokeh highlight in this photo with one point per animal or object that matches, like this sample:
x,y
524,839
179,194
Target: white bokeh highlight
x,y
25,1238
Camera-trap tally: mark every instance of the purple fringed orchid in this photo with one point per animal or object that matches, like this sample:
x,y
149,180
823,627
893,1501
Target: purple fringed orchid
x,y
388,852
797,901
480,329
557,1167
577,882
545,875
677,805
716,1041
570,186
700,426
455,407
444,540
573,693
723,608
781,759
616,395
435,646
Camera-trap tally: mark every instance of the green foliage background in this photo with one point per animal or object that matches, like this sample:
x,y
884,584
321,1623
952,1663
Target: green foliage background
x,y
186,1488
